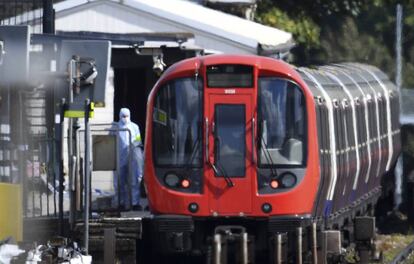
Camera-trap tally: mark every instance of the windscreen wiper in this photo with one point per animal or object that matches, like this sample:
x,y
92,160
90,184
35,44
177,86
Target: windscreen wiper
x,y
220,167
194,149
220,171
215,169
226,177
268,156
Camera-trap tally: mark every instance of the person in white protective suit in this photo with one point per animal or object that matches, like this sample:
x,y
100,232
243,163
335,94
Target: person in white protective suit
x,y
125,150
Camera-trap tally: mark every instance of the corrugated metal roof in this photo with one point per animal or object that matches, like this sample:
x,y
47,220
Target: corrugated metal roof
x,y
233,1
214,22
219,25
250,2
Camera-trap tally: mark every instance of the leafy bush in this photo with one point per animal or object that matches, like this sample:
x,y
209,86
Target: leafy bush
x,y
350,30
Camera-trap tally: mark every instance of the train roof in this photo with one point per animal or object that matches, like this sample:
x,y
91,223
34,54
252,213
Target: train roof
x,y
360,80
263,63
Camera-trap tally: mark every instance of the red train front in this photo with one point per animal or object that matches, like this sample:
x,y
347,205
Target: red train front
x,y
232,142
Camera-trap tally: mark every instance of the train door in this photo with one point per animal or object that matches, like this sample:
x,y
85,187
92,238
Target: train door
x,y
230,179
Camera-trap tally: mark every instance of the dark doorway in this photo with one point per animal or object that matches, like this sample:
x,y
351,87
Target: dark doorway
x,y
134,79
130,91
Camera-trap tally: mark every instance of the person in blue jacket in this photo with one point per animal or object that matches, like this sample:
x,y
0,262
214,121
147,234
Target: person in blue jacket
x,y
125,150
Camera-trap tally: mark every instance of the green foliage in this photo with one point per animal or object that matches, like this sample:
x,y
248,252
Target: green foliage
x,y
408,147
304,30
348,44
350,30
316,9
392,244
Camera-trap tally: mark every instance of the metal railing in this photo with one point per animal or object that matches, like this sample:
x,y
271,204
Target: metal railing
x,y
104,129
40,186
22,12
28,12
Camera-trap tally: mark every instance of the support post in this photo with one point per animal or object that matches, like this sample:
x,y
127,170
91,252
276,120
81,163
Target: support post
x,y
245,248
314,244
61,176
48,17
331,244
109,245
398,49
299,245
71,163
217,249
278,249
87,176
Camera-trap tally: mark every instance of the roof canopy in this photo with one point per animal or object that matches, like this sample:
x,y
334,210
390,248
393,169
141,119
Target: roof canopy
x,y
217,23
211,28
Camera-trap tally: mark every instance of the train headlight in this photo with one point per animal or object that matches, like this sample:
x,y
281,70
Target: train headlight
x,y
288,179
171,179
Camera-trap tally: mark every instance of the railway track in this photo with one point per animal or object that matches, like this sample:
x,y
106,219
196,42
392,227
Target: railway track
x,y
404,254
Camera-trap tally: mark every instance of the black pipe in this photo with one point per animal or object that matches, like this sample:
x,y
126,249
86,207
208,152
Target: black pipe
x,y
48,17
87,176
61,176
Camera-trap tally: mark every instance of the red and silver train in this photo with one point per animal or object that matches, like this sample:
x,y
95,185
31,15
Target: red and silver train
x,y
254,148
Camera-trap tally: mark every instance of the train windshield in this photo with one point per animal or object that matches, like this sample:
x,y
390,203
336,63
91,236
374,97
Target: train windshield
x,y
177,124
281,122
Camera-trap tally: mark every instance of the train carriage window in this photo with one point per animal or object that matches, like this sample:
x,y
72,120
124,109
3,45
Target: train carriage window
x,y
282,122
319,120
337,126
375,120
177,124
372,118
328,133
360,121
230,136
382,115
350,125
394,111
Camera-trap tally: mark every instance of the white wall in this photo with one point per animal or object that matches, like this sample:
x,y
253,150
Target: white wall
x,y
114,18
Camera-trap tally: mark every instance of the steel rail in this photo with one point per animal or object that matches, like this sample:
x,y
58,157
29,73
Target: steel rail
x,y
404,254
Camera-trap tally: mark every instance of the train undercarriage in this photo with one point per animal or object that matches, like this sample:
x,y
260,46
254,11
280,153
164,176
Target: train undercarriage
x,y
279,239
